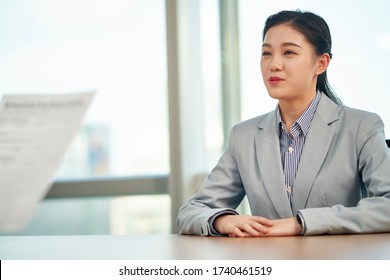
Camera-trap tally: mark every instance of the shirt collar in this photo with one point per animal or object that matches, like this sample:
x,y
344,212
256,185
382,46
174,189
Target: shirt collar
x,y
305,119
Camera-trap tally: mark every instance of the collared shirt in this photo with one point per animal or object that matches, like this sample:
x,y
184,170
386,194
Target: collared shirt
x,y
291,144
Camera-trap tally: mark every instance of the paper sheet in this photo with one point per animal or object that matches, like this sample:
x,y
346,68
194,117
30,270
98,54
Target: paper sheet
x,y
35,131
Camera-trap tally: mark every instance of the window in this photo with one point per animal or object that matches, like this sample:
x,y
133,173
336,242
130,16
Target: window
x,y
118,49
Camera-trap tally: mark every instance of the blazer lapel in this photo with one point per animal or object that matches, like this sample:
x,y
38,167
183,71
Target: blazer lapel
x,y
314,152
271,170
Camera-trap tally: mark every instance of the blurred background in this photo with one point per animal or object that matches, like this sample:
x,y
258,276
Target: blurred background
x,y
171,78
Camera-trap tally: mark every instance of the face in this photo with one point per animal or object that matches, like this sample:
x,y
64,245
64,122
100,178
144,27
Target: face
x,y
289,64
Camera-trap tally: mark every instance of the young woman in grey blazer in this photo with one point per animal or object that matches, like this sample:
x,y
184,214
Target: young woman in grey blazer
x,y
312,166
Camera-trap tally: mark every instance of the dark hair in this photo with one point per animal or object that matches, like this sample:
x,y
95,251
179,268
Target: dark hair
x,y
316,32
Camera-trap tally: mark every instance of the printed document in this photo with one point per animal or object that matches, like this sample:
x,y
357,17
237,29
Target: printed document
x,y
35,131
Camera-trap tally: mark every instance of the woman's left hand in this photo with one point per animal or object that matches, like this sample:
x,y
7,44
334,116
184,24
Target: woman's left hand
x,y
282,227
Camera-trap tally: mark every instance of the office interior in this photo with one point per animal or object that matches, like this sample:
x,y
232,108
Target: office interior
x,y
171,78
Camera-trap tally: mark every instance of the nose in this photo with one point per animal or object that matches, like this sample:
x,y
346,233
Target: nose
x,y
276,63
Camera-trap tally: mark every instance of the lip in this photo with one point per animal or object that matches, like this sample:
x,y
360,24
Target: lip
x,y
275,80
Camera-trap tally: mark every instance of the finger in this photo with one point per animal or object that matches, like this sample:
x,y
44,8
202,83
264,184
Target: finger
x,y
263,221
237,232
260,228
245,235
250,230
241,232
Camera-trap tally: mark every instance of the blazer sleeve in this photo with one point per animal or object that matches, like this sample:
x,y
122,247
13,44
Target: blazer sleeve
x,y
371,214
221,192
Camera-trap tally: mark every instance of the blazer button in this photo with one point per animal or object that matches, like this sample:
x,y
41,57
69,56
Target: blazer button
x,y
289,189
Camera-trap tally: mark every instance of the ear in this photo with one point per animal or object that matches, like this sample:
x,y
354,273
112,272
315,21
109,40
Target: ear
x,y
323,63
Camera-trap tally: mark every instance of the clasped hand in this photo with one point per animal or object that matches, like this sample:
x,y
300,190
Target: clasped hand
x,y
255,226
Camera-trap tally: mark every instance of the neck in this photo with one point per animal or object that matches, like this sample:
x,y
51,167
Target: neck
x,y
291,110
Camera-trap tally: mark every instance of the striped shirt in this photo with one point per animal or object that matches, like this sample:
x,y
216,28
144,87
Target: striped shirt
x,y
291,144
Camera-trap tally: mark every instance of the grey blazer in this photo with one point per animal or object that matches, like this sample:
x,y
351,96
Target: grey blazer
x,y
342,183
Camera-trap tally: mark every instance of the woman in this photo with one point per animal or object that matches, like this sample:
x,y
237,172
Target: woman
x,y
312,166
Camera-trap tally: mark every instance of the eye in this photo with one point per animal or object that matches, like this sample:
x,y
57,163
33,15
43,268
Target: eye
x,y
266,53
289,52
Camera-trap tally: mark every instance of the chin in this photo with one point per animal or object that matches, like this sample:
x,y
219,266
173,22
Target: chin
x,y
277,94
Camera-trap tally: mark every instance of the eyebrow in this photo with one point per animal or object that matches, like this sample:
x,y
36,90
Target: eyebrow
x,y
286,44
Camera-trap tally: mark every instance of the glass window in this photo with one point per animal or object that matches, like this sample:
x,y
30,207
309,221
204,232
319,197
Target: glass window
x,y
100,215
211,75
117,48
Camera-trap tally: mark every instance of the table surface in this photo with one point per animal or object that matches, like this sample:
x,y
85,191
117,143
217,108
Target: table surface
x,y
187,247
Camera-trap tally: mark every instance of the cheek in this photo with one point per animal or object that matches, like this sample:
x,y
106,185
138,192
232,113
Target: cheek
x,y
263,67
300,70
